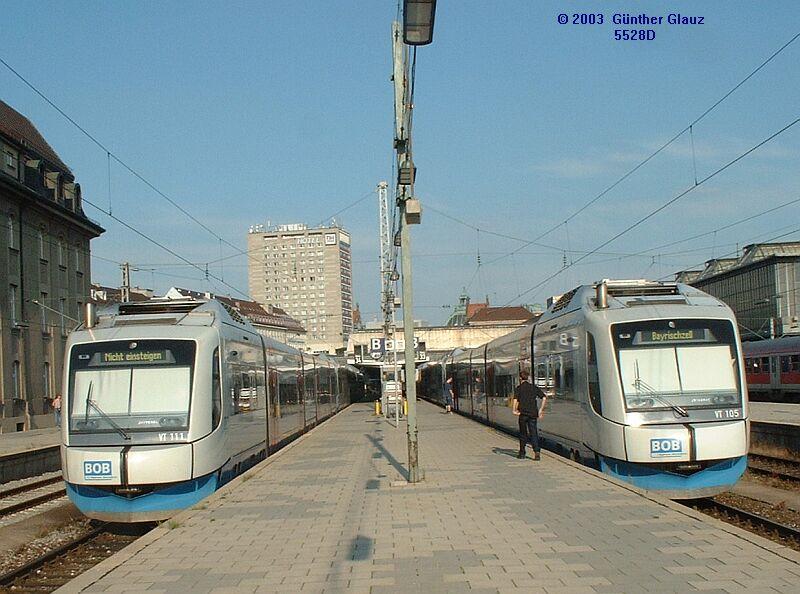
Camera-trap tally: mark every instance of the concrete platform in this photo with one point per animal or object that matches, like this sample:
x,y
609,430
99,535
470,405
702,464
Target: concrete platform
x,y
331,513
772,412
28,453
25,441
775,430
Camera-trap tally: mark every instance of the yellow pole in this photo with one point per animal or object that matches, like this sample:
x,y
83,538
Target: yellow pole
x,y
405,407
377,408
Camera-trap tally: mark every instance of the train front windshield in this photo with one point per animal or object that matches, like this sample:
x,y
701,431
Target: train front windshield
x,y
125,386
678,364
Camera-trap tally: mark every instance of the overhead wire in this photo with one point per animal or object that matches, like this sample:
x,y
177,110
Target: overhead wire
x,y
111,155
666,204
660,149
162,246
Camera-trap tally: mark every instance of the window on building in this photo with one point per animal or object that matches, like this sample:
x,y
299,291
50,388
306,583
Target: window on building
x,y
42,245
62,310
62,257
13,302
78,258
10,161
16,379
51,183
12,233
46,376
69,195
43,313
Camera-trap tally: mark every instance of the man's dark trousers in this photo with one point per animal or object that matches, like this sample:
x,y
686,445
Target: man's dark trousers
x,y
528,433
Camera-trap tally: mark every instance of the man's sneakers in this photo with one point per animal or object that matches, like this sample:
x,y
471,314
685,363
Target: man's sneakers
x,y
536,455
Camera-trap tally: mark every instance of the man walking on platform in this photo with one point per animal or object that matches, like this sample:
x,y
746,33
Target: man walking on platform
x,y
526,407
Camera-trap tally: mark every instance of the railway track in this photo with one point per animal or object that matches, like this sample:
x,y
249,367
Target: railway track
x,y
29,493
757,523
786,470
56,567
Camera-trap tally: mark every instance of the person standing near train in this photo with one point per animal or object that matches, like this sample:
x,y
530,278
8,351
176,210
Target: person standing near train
x,y
56,403
448,395
526,407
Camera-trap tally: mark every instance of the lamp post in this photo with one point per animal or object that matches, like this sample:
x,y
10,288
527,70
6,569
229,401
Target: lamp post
x,y
418,17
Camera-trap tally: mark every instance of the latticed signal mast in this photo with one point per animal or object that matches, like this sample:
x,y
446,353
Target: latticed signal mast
x,y
386,251
387,292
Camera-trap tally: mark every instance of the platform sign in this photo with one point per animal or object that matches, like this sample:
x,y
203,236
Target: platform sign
x,y
666,447
378,347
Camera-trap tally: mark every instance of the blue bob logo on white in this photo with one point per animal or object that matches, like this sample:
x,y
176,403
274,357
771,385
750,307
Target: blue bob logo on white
x,y
93,470
666,447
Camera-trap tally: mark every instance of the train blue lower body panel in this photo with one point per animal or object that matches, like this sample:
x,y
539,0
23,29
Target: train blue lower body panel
x,y
159,504
703,483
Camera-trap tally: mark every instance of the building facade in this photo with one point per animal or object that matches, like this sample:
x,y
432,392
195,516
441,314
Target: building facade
x,y
762,287
307,273
45,270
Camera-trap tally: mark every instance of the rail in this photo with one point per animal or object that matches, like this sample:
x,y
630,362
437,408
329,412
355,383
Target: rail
x,y
750,521
34,499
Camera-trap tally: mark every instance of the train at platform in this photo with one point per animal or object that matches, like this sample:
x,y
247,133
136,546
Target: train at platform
x,y
168,400
772,368
645,381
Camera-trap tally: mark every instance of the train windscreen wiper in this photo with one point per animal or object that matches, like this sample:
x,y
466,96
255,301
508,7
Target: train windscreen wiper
x,y
640,384
111,422
88,399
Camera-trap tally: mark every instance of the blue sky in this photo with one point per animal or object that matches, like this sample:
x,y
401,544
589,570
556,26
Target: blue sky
x,y
244,114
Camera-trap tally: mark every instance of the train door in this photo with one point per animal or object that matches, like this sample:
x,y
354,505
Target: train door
x,y
489,375
774,373
478,384
273,382
593,404
265,392
310,397
461,382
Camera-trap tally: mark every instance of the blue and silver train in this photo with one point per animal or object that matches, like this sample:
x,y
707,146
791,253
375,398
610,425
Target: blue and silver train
x,y
169,400
644,379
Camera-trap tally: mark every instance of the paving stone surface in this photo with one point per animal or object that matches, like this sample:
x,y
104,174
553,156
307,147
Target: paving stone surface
x,y
331,514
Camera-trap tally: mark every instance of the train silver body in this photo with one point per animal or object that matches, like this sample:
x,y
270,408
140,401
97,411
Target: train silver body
x,y
168,400
645,380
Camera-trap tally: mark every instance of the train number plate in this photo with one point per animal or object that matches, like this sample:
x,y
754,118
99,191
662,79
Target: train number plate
x,y
666,447
97,470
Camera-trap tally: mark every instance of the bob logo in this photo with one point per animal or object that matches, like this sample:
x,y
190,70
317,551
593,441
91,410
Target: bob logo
x,y
664,448
97,470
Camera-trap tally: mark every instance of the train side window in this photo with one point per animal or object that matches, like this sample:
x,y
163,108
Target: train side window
x,y
216,391
794,363
236,390
568,367
540,376
784,364
593,375
765,365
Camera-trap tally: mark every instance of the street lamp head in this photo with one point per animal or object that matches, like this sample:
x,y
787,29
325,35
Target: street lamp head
x,y
418,17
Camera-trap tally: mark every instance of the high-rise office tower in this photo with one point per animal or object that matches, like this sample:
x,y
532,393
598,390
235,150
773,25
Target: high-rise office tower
x,y
308,273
